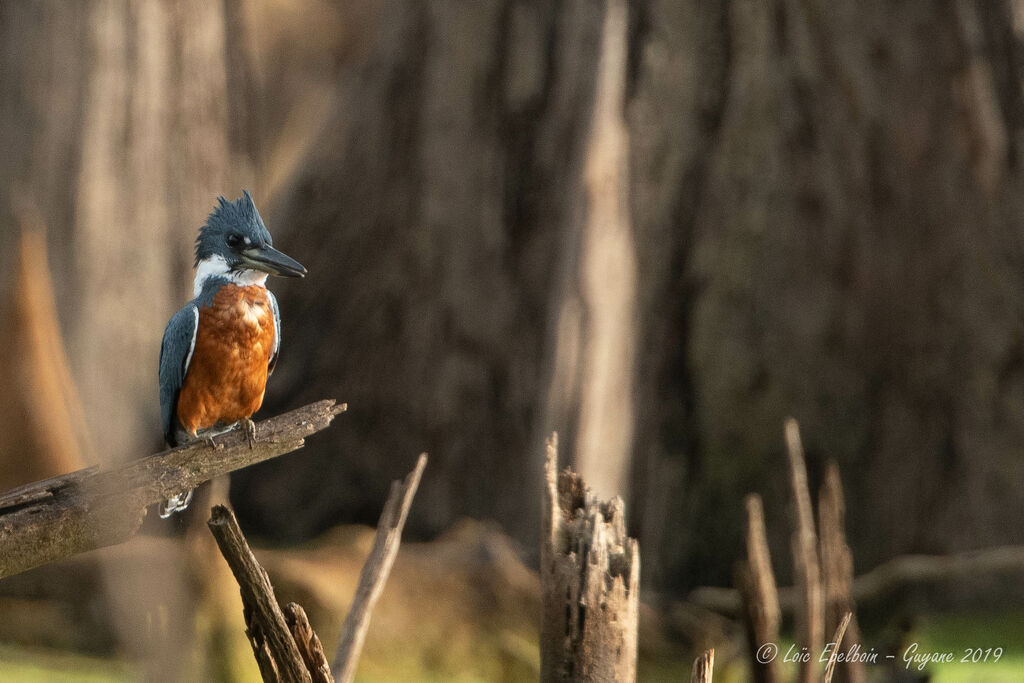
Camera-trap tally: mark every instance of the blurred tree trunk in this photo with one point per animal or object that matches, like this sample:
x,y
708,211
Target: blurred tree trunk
x,y
41,72
116,132
828,196
42,428
657,226
156,152
823,220
437,213
591,346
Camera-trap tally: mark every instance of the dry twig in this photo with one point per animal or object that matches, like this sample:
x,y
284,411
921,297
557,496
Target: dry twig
x,y
759,593
898,574
837,639
375,573
837,567
809,618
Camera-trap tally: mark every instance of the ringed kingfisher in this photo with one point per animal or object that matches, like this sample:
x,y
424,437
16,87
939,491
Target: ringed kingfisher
x,y
218,350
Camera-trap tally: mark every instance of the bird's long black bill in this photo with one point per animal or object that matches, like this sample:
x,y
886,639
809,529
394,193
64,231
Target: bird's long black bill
x,y
272,261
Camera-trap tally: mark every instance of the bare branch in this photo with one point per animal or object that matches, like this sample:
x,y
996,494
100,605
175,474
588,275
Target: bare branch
x,y
896,574
703,667
837,567
265,624
810,616
758,590
53,519
375,573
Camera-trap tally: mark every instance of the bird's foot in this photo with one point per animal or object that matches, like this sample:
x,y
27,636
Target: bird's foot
x,y
208,439
175,503
250,431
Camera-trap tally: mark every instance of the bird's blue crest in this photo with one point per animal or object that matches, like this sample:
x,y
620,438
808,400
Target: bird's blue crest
x,y
239,217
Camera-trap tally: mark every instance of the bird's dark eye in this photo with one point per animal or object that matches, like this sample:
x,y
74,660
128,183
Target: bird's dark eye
x,y
233,239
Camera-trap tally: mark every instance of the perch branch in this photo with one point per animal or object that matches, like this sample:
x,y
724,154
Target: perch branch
x,y
265,625
53,519
375,573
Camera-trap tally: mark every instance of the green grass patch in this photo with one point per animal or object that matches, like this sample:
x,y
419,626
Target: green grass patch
x,y
32,665
991,643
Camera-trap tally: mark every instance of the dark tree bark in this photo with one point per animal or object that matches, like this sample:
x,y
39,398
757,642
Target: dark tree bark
x,y
811,209
829,199
441,207
822,220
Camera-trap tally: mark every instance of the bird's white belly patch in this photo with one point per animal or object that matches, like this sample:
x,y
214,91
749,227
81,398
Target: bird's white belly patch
x,y
253,315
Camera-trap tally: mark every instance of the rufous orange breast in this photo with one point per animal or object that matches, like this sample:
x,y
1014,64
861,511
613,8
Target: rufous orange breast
x,y
227,375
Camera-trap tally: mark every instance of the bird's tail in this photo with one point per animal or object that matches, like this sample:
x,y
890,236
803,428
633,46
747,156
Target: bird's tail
x,y
175,503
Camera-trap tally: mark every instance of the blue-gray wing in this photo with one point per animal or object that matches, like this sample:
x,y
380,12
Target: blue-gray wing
x,y
175,355
277,333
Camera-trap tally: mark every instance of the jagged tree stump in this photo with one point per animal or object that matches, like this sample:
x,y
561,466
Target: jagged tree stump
x,y
590,580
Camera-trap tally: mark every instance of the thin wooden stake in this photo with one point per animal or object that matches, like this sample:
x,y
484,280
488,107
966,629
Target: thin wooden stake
x,y
375,573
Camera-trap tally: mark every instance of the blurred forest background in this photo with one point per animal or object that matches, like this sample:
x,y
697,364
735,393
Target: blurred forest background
x,y
657,226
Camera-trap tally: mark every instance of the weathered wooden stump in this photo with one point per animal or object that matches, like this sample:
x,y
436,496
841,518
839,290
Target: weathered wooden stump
x,y
590,582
